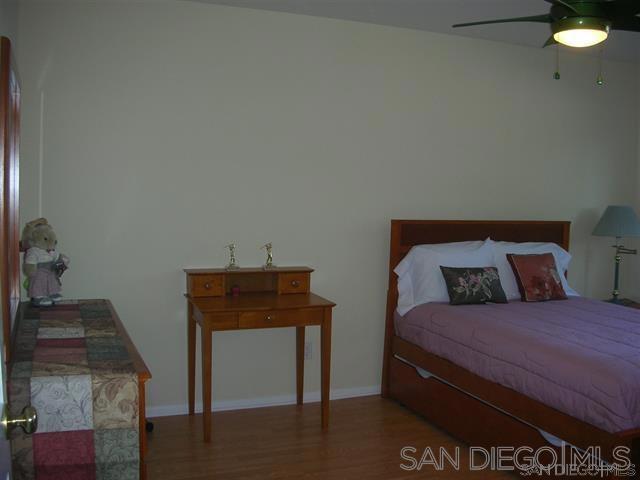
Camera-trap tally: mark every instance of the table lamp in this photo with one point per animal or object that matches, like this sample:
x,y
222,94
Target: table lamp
x,y
618,221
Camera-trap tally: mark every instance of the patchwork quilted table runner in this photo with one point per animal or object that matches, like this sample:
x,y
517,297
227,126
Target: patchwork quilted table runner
x,y
71,363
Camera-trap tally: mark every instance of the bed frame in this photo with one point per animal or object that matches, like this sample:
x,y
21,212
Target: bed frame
x,y
488,414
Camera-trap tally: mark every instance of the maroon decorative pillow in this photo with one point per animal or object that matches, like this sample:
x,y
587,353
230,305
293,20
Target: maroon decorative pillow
x,y
537,276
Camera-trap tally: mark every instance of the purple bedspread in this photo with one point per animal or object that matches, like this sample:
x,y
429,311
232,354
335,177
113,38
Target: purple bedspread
x,y
579,356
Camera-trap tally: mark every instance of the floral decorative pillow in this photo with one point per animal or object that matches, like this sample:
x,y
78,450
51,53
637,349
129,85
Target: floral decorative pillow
x,y
467,286
537,276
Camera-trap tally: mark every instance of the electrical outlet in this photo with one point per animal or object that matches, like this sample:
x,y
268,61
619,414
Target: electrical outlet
x,y
308,350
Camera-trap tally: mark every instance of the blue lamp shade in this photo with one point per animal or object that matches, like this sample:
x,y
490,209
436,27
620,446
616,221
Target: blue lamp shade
x,y
618,221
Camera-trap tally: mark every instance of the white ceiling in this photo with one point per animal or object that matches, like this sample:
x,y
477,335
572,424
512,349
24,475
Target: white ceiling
x,y
439,15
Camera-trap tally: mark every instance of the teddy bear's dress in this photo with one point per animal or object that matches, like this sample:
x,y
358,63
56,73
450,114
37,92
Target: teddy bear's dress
x,y
45,281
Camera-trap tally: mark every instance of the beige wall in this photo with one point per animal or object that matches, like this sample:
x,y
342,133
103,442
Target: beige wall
x,y
8,19
172,128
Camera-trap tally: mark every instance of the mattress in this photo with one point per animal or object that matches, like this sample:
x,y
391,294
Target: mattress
x,y
580,356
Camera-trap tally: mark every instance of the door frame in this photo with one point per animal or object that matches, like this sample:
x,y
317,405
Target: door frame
x,y
9,191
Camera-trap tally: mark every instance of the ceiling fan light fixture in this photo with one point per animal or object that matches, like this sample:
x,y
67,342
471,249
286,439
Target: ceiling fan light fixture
x,y
581,32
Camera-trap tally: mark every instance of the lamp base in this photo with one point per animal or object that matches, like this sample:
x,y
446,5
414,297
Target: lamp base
x,y
615,300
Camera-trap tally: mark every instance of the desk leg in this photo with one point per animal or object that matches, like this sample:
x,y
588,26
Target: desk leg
x,y
191,360
206,335
300,365
325,340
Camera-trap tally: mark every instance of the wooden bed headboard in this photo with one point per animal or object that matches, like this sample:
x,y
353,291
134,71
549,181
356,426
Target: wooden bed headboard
x,y
407,233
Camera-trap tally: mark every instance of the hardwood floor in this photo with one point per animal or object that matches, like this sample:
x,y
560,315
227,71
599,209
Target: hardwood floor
x,y
363,443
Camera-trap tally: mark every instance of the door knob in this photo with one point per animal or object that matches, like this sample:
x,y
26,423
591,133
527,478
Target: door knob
x,y
27,420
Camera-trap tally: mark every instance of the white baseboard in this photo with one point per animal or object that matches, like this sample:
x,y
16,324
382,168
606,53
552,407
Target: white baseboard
x,y
221,405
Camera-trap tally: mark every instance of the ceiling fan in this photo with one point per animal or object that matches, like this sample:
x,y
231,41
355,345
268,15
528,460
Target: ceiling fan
x,y
581,23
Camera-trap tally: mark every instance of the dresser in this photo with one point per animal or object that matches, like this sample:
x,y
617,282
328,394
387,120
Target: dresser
x,y
76,365
219,300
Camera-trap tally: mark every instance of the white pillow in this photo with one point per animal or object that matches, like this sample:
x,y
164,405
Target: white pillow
x,y
507,277
420,279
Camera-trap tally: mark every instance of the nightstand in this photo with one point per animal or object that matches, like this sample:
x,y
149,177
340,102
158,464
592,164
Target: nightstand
x,y
626,302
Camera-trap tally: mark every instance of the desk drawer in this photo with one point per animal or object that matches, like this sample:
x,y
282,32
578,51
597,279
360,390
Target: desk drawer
x,y
228,321
282,318
206,285
297,282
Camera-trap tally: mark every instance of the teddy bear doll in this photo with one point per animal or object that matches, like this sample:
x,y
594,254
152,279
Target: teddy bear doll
x,y
43,265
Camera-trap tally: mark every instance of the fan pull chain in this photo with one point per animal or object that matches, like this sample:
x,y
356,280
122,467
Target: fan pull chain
x,y
600,79
556,74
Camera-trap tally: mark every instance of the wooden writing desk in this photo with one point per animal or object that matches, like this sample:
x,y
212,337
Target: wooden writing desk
x,y
274,298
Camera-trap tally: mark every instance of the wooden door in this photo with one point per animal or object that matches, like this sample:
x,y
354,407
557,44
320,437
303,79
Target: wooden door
x,y
9,224
5,448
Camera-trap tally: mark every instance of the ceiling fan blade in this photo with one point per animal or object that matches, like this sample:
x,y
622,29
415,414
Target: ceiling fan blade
x,y
564,4
629,24
536,18
549,42
626,7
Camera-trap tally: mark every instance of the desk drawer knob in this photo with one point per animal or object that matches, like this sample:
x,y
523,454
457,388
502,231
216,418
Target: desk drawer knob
x,y
295,283
207,286
269,318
